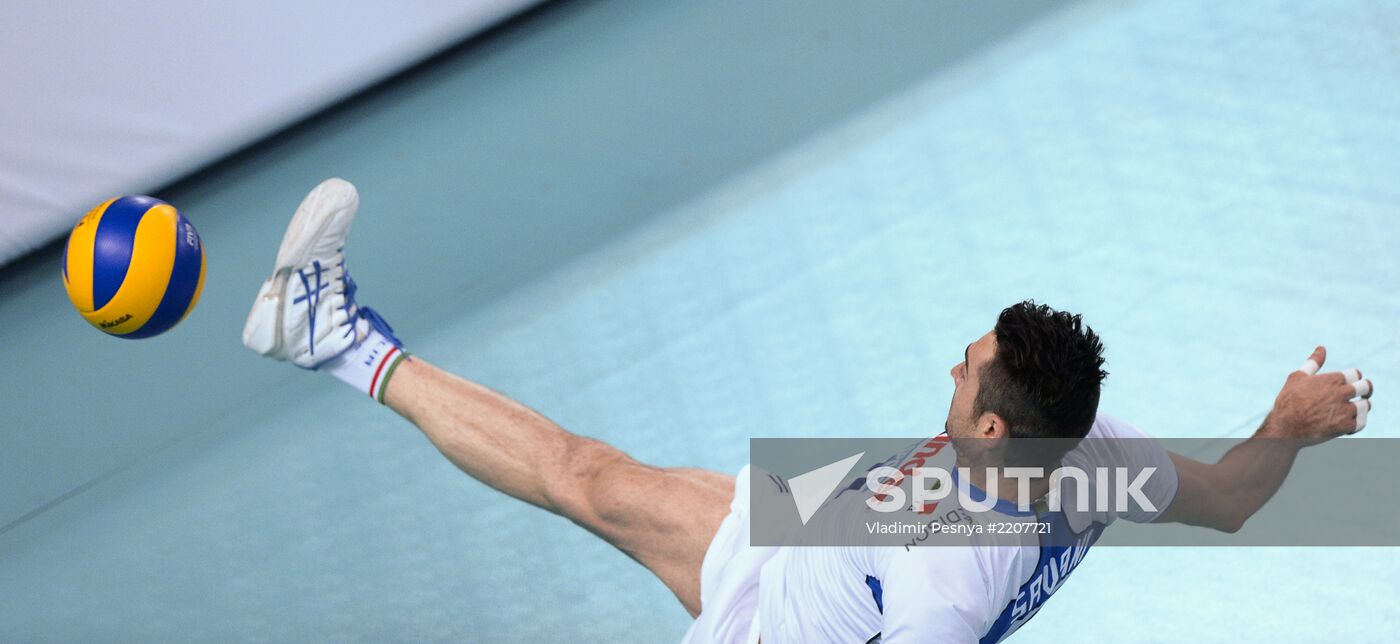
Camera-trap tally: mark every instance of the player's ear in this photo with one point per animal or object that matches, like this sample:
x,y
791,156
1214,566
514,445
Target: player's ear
x,y
992,426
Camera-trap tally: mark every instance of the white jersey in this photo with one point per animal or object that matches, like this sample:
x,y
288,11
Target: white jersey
x,y
978,593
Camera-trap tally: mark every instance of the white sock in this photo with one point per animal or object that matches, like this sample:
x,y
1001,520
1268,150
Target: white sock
x,y
368,365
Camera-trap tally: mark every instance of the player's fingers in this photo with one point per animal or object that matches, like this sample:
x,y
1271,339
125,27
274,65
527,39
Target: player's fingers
x,y
1314,361
1362,408
1343,377
1346,384
1336,378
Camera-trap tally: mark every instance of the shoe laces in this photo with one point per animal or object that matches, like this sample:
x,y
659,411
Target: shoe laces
x,y
354,312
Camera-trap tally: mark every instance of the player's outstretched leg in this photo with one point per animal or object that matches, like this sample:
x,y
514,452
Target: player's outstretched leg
x,y
306,314
662,517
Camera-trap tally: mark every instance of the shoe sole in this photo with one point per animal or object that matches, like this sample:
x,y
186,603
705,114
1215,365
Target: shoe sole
x,y
313,217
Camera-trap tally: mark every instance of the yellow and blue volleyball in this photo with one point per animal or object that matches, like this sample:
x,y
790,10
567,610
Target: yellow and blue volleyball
x,y
134,267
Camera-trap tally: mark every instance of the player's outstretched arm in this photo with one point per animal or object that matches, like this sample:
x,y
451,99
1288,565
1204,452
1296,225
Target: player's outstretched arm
x,y
1310,409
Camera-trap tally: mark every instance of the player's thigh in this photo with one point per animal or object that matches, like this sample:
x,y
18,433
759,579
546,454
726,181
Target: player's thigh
x,y
665,518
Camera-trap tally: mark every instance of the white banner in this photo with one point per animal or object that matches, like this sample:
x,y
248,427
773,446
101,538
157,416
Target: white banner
x,y
108,98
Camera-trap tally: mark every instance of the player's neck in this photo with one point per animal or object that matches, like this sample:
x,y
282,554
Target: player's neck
x,y
1006,487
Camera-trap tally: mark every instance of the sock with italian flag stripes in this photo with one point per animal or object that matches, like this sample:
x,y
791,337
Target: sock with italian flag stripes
x,y
368,365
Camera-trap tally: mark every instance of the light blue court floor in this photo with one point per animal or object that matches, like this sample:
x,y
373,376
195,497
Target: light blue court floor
x,y
676,227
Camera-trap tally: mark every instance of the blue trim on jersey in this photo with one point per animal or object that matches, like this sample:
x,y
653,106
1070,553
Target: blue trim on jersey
x,y
1003,506
876,591
1060,553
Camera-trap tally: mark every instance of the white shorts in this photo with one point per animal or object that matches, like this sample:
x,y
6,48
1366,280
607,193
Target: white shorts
x,y
729,578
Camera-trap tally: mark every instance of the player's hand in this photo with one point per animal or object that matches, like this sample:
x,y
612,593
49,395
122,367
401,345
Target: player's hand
x,y
1316,407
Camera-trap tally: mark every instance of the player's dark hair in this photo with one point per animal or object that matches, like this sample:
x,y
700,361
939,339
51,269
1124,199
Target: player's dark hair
x,y
1043,380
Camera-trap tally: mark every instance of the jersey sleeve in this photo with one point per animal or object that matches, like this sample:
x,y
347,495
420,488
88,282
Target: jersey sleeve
x,y
939,594
1115,443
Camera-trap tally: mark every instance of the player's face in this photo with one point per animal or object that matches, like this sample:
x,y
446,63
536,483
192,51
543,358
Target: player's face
x,y
961,421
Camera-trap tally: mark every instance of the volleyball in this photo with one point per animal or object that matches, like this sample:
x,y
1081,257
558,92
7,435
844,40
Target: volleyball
x,y
134,267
